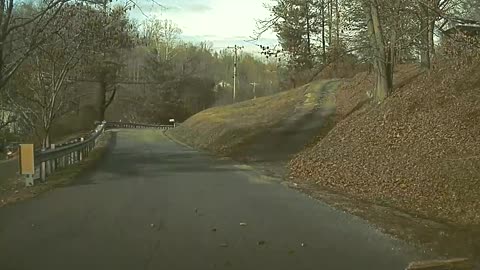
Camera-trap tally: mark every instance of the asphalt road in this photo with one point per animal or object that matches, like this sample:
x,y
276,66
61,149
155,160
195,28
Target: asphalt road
x,y
153,204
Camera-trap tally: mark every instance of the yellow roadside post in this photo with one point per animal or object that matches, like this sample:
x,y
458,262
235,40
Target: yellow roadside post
x,y
27,163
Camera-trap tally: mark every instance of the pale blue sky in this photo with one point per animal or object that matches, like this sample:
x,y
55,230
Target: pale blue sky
x,y
223,22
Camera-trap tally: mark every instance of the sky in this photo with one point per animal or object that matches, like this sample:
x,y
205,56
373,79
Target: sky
x,y
222,22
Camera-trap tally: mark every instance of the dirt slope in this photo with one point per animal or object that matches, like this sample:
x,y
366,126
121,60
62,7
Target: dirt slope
x,y
418,151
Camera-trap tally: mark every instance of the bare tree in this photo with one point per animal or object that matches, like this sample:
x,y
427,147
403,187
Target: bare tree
x,y
163,36
42,93
111,32
14,25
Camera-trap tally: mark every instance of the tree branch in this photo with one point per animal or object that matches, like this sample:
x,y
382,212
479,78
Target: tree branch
x,y
37,16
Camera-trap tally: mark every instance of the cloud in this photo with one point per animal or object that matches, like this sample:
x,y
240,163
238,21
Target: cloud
x,y
198,8
171,8
224,22
187,7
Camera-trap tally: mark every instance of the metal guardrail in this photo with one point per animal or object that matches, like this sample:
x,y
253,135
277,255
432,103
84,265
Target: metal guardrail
x,y
137,125
66,143
47,161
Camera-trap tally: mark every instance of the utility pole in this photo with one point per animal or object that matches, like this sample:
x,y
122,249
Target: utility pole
x,y
235,61
254,86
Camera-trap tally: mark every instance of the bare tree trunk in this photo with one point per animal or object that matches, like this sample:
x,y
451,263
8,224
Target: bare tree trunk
x,y
46,137
436,4
390,65
330,23
428,28
377,40
431,40
337,37
337,22
425,56
324,42
102,99
307,7
391,56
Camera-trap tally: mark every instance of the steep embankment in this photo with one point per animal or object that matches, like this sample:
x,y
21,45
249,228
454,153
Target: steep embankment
x,y
418,151
265,129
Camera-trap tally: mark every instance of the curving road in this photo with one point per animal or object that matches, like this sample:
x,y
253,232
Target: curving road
x,y
153,204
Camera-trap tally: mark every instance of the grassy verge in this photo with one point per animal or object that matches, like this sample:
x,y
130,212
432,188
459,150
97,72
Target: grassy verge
x,y
233,130
14,190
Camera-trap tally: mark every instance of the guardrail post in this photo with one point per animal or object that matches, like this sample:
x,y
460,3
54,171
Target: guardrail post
x,y
73,157
48,167
43,175
53,163
80,153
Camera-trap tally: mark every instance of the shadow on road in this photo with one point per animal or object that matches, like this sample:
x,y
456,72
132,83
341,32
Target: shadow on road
x,y
132,157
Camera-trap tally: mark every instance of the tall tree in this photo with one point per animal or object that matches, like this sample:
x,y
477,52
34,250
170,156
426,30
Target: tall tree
x,y
21,20
162,36
296,29
112,32
17,21
42,93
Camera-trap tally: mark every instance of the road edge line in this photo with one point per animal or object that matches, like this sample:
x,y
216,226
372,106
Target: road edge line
x,y
171,138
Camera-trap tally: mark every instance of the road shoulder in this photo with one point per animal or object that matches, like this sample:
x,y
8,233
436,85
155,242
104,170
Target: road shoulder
x,y
14,190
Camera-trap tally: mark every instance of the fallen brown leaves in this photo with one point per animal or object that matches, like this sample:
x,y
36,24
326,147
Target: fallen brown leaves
x,y
418,151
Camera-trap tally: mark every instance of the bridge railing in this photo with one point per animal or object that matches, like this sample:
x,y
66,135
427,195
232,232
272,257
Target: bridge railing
x,y
47,161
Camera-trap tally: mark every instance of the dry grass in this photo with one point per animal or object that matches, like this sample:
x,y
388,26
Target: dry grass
x,y
222,129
